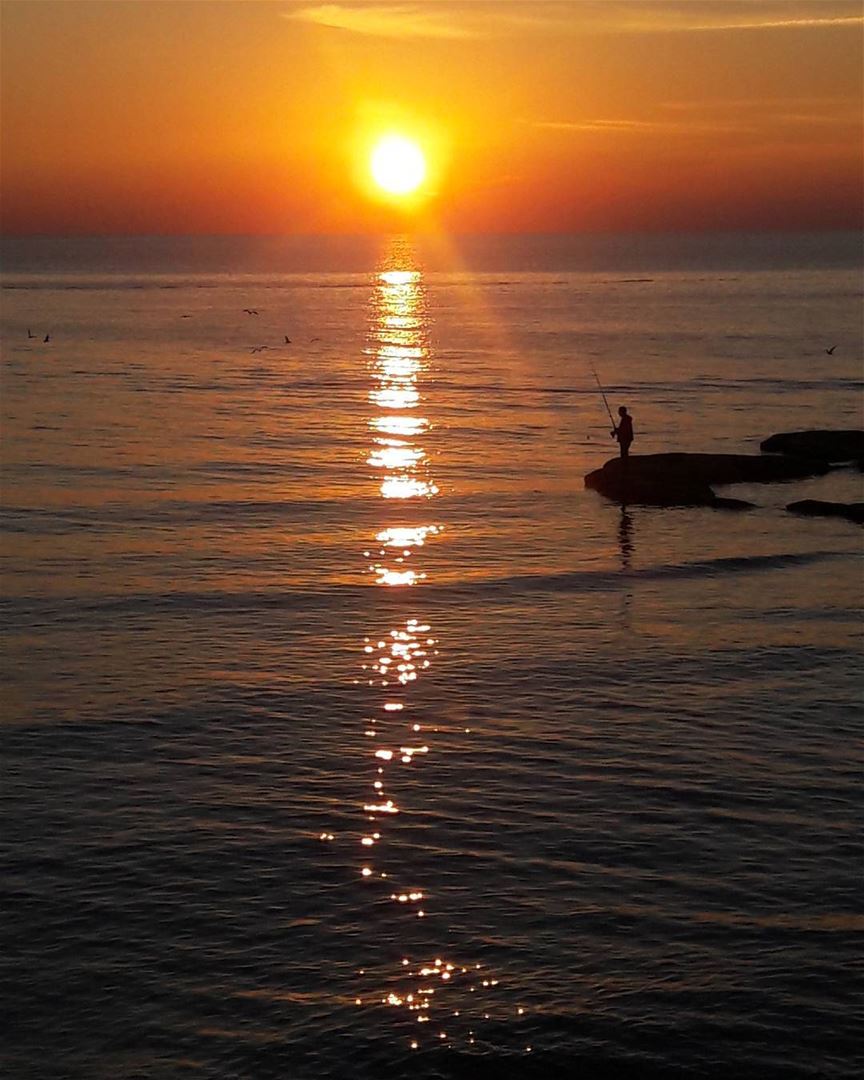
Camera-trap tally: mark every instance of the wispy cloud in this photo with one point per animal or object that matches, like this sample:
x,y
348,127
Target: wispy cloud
x,y
704,16
822,103
383,20
637,127
472,19
733,116
768,113
453,19
770,24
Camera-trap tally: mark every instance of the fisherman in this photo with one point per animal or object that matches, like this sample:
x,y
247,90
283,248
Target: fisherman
x,y
624,431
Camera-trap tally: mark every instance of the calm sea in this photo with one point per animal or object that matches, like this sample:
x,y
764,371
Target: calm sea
x,y
346,736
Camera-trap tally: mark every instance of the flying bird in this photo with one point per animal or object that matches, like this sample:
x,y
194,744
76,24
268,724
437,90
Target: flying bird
x,y
46,339
287,340
250,311
30,333
831,350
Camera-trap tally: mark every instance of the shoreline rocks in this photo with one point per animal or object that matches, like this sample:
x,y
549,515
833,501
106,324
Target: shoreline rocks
x,y
818,508
687,479
818,445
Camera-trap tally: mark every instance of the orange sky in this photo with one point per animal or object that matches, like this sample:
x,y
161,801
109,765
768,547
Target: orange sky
x,y
191,116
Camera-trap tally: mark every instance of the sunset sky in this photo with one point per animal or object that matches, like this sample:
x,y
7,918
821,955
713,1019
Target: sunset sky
x,y
190,116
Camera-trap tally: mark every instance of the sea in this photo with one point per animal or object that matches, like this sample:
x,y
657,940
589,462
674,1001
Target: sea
x,y
346,735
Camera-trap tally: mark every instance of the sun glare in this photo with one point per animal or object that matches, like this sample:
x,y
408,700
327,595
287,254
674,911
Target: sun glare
x,y
397,165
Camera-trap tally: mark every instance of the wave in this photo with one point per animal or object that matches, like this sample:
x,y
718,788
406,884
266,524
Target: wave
x,y
36,520
75,283
338,595
575,581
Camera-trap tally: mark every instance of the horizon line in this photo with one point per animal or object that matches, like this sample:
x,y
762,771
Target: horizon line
x,y
713,231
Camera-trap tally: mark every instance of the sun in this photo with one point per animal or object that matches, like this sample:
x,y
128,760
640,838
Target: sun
x,y
398,165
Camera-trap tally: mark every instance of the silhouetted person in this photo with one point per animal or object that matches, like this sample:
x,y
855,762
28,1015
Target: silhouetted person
x,y
624,431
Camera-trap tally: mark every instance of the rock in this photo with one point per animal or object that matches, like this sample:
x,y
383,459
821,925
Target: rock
x,y
816,508
841,445
686,479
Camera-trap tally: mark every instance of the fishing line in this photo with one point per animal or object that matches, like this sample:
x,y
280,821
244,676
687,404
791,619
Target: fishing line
x,y
603,395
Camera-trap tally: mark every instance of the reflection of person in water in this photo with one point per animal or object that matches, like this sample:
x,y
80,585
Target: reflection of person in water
x,y
625,538
625,548
624,431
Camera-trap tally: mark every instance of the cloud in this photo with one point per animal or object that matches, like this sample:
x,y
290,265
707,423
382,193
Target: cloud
x,y
762,104
383,20
637,127
767,114
702,16
446,19
471,19
776,24
732,116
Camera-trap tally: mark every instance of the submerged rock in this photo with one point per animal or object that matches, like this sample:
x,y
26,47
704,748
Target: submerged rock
x,y
841,445
686,479
817,508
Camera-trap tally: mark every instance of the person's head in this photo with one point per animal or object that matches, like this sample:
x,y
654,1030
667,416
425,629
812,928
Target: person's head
x,y
622,410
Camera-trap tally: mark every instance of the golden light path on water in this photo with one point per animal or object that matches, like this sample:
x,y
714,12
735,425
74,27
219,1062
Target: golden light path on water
x,y
394,659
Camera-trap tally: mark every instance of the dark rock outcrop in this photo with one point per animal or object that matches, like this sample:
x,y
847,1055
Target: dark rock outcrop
x,y
834,446
817,508
686,479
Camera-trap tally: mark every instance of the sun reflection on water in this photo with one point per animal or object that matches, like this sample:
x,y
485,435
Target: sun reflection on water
x,y
430,988
399,425
400,277
395,397
394,455
406,487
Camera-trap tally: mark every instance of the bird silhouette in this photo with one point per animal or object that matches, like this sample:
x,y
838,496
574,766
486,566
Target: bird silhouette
x,y
259,348
30,333
46,339
831,350
287,340
250,311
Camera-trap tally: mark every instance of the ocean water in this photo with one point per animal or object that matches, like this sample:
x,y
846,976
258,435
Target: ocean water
x,y
346,735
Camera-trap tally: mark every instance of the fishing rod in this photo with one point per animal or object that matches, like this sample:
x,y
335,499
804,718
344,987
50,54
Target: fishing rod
x,y
603,395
